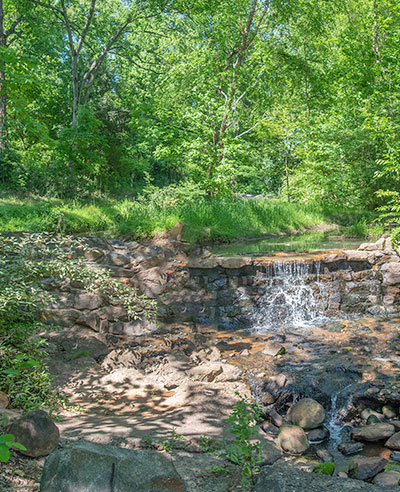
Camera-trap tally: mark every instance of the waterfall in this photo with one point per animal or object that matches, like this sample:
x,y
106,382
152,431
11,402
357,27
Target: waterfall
x,y
293,296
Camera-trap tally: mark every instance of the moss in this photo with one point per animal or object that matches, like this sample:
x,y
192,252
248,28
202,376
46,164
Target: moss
x,y
326,468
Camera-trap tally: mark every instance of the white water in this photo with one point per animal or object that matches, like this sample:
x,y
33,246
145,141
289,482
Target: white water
x,y
290,299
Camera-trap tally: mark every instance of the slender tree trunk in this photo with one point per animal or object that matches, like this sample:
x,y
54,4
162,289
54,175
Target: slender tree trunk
x,y
3,94
287,178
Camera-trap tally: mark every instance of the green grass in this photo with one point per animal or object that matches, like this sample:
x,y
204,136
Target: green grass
x,y
204,220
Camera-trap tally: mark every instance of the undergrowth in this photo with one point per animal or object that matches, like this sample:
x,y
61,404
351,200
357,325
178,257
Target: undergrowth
x,y
158,210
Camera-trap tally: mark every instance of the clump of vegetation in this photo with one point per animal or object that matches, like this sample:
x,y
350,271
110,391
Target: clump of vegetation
x,y
327,468
7,442
25,261
244,451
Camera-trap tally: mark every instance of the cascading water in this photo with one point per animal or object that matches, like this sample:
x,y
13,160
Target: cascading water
x,y
294,296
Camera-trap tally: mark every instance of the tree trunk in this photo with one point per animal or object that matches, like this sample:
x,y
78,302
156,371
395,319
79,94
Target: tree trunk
x,y
287,178
3,94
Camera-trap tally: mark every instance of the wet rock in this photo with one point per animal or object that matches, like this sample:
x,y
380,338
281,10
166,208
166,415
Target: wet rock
x,y
396,424
293,439
394,441
37,432
350,448
323,454
395,456
389,412
269,428
275,417
367,412
372,419
373,432
307,413
318,435
87,466
387,478
273,348
364,468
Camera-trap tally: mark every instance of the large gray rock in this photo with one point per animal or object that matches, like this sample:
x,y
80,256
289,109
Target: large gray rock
x,y
394,442
293,439
290,479
270,480
388,478
373,432
363,468
37,432
90,467
307,413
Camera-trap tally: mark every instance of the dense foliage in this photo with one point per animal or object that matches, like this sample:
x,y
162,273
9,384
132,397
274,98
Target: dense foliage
x,y
299,98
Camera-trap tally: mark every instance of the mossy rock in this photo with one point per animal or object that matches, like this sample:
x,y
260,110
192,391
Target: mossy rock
x,y
327,468
77,354
392,467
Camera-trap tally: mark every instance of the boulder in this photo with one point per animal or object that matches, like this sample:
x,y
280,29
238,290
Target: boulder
x,y
37,432
373,432
394,442
364,468
318,435
270,480
293,439
273,348
307,413
117,259
350,448
90,467
395,456
389,478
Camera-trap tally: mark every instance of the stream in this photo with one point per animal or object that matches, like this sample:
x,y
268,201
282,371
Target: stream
x,y
347,363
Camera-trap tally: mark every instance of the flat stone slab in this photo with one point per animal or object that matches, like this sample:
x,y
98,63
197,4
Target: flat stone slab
x,y
289,479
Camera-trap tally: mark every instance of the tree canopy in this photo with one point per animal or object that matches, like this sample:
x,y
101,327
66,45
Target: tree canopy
x,y
106,96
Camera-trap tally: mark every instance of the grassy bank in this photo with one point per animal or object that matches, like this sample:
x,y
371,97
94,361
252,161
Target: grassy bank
x,y
204,220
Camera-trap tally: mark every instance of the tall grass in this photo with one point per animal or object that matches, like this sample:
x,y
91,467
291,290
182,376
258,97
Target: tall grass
x,y
204,220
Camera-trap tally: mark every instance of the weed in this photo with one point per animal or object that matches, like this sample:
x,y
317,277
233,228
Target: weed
x,y
243,450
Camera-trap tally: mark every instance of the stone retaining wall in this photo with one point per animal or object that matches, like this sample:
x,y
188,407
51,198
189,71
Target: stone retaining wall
x,y
193,284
